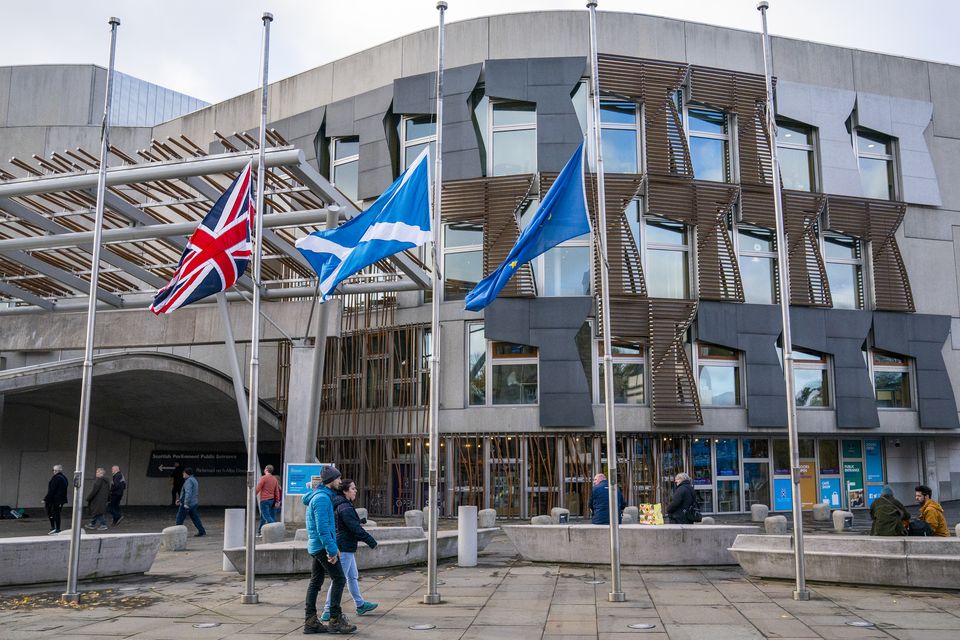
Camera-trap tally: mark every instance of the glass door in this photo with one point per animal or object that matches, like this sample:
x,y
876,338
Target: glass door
x,y
756,472
701,453
829,480
728,475
505,471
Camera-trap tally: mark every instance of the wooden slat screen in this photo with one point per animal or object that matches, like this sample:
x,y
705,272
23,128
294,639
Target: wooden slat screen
x,y
675,399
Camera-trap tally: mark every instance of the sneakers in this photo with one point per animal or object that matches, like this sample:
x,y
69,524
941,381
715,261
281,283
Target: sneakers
x,y
312,625
87,526
325,617
341,625
53,532
199,535
366,607
102,527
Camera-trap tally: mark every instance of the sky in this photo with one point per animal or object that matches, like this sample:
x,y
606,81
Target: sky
x,y
210,49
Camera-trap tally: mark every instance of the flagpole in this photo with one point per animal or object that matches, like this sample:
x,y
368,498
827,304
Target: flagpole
x,y
235,374
72,595
600,238
801,592
432,596
250,594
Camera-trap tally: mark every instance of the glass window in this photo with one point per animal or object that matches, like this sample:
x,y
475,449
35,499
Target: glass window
x,y
621,138
756,448
719,376
758,263
514,375
513,138
756,483
781,457
566,271
346,163
728,496
727,457
702,466
875,154
810,379
891,380
829,457
668,262
462,259
796,156
628,374
477,363
418,133
709,139
844,264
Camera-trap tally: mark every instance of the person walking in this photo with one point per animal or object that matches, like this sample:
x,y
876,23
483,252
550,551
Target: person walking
x,y
322,546
118,485
931,512
97,499
268,495
56,497
888,514
683,499
189,501
176,483
600,501
350,533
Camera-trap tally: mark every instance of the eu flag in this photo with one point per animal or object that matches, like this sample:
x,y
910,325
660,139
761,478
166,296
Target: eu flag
x,y
562,215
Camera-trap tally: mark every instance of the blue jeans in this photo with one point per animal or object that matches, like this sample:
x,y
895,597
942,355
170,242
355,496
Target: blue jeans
x,y
99,521
194,514
349,562
266,513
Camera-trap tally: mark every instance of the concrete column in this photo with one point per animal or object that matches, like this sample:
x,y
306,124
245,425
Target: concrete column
x,y
467,536
295,445
234,521
928,458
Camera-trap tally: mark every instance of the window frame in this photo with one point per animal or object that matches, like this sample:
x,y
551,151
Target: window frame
x,y
859,263
822,363
906,367
686,249
730,155
623,358
809,147
338,162
493,129
893,170
467,248
490,361
700,360
413,142
771,255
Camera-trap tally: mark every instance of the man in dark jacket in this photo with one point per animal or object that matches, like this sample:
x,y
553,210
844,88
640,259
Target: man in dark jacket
x,y
350,533
56,497
118,485
97,499
600,501
683,499
888,514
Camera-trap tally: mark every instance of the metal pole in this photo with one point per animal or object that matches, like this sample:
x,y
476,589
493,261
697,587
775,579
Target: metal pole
x,y
600,238
231,345
783,276
72,595
250,593
432,596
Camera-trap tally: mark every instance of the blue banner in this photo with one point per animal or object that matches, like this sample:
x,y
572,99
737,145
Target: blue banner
x,y
782,494
873,492
830,492
873,454
298,476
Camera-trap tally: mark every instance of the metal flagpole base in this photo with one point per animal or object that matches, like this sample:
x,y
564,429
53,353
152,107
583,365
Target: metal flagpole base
x,y
616,596
70,598
431,598
250,598
801,595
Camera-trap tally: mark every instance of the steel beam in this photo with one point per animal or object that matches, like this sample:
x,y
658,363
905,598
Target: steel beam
x,y
62,276
22,294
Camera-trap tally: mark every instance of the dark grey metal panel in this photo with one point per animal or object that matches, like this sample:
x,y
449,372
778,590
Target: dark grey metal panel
x,y
548,82
551,325
415,95
366,116
921,336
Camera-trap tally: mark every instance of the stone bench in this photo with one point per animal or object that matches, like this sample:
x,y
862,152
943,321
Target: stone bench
x,y
394,549
873,560
38,559
640,544
381,534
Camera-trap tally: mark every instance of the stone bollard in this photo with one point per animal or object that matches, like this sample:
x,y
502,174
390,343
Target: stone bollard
x,y
839,520
759,512
821,512
707,520
958,530
413,518
370,524
633,512
273,532
775,525
301,534
362,514
234,524
556,512
541,520
628,518
487,518
467,536
174,538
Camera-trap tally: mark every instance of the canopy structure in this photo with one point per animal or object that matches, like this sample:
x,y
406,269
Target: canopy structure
x,y
154,200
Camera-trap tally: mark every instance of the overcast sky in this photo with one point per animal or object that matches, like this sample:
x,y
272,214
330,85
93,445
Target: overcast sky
x,y
210,49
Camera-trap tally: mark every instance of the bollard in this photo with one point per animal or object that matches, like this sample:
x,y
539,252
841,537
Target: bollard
x,y
842,520
821,512
234,525
759,512
467,536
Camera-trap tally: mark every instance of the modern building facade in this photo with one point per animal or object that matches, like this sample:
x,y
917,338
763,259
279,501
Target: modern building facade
x,y
868,145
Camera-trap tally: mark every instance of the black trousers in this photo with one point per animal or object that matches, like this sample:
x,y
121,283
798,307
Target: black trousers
x,y
113,508
53,512
322,565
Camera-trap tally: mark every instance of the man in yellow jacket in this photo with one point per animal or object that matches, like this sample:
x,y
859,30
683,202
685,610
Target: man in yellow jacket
x,y
931,512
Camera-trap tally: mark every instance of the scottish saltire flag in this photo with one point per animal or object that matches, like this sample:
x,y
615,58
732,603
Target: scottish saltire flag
x,y
398,220
217,253
562,215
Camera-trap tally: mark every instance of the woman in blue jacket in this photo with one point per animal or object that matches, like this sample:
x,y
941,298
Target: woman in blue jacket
x,y
350,533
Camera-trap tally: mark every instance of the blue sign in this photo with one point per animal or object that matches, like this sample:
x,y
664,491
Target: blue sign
x,y
830,492
298,477
874,460
873,492
782,494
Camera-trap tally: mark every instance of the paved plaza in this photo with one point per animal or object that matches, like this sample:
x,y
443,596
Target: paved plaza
x,y
186,595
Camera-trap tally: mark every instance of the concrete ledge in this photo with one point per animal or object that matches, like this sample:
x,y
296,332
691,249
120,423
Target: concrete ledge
x,y
640,544
38,559
291,557
902,562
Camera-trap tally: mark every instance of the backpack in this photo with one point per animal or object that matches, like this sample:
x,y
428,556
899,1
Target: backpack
x,y
918,527
693,513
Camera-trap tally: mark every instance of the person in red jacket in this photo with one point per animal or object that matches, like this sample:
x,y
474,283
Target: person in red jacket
x,y
268,494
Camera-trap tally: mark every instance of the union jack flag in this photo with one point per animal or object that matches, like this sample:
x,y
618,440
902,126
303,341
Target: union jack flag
x,y
217,253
